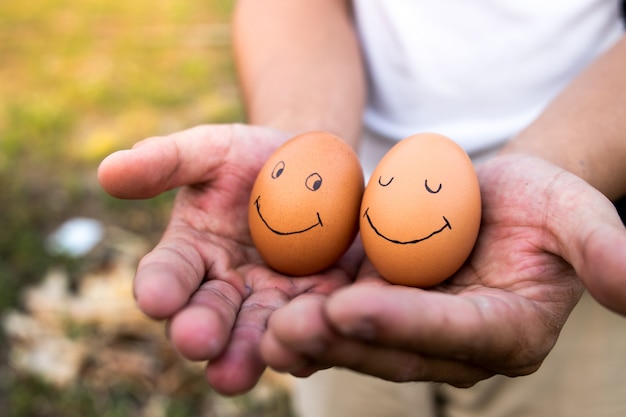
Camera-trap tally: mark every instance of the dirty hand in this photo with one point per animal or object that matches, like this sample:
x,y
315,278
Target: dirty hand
x,y
205,276
545,236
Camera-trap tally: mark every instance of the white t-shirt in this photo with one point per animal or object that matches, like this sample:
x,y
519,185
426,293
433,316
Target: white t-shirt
x,y
477,71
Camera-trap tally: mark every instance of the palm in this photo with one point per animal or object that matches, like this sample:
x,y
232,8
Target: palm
x,y
501,313
205,275
517,273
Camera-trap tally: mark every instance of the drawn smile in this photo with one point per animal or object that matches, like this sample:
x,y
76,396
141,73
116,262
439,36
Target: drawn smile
x,y
409,242
278,232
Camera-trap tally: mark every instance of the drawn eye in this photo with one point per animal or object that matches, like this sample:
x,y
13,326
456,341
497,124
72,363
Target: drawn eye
x,y
430,190
380,181
278,169
313,182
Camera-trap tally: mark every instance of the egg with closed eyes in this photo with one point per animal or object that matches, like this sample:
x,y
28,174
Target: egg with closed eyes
x,y
304,205
421,211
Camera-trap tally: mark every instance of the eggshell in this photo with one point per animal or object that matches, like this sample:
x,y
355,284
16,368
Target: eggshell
x,y
304,205
421,211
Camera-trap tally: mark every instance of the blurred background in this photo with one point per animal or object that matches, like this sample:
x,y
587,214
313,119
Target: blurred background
x,y
80,79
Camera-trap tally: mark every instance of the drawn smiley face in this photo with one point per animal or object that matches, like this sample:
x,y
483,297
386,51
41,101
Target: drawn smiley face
x,y
421,211
304,205
445,222
313,182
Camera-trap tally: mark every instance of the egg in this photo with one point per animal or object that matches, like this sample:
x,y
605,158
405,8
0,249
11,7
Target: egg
x,y
421,211
304,205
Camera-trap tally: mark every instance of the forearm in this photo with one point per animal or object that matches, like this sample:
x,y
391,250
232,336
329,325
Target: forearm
x,y
584,129
299,65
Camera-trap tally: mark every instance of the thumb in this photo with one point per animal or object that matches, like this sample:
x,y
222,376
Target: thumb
x,y
189,157
603,269
593,241
159,164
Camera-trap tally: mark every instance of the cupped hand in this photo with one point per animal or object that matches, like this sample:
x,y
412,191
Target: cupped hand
x,y
545,236
205,277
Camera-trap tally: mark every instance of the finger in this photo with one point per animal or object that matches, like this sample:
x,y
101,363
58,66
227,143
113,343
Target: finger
x,y
240,366
294,331
161,163
481,330
166,277
298,338
399,365
599,258
279,357
202,329
188,157
591,237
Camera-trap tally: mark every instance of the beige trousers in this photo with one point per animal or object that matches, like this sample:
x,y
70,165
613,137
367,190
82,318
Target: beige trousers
x,y
584,375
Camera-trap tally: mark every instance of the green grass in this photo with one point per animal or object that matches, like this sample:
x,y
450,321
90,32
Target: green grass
x,y
75,72
78,80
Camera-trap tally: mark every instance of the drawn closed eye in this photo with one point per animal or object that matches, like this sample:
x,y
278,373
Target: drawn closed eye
x,y
380,181
278,169
313,182
430,190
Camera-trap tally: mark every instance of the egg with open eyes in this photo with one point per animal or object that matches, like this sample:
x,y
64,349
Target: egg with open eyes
x,y
304,205
421,211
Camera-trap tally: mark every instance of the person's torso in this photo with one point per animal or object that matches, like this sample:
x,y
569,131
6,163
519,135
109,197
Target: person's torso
x,y
477,71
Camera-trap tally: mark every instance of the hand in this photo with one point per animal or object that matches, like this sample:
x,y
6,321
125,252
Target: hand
x,y
545,235
205,276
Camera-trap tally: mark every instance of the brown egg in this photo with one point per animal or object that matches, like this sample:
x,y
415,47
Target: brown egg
x,y
421,211
304,205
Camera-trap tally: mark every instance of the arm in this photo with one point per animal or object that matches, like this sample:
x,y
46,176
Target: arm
x,y
300,70
584,128
584,132
546,235
300,66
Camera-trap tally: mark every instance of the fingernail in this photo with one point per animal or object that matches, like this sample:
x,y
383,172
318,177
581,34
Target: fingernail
x,y
362,329
297,367
316,348
306,371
